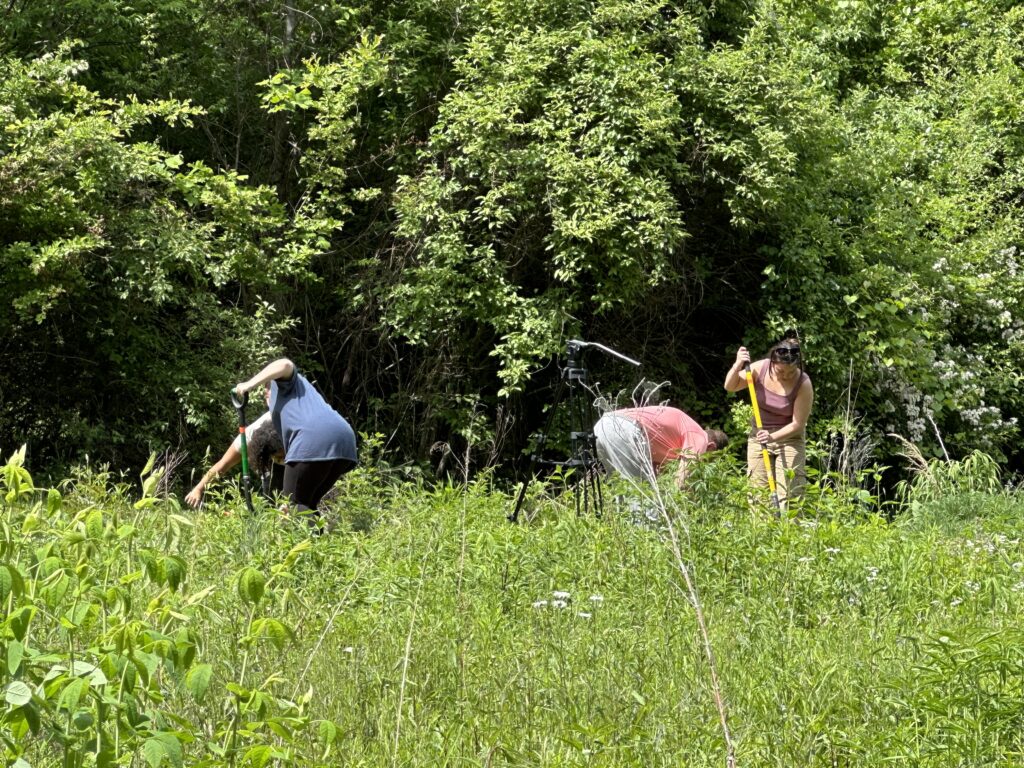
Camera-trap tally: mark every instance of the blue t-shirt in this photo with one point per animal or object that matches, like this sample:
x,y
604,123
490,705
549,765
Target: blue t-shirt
x,y
310,429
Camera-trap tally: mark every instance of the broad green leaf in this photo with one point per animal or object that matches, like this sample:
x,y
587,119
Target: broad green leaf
x,y
31,712
272,629
198,680
18,693
328,731
94,524
153,751
251,584
6,583
146,664
294,552
279,730
153,565
20,620
77,615
258,756
55,671
149,485
160,746
173,569
85,669
73,693
15,653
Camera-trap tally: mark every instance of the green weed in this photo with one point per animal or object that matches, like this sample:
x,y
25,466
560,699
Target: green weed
x,y
136,632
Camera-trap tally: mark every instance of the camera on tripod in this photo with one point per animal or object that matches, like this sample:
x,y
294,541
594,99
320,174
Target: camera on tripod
x,y
583,446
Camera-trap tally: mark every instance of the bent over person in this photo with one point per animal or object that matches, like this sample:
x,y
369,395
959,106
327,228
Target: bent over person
x,y
784,398
319,444
263,445
640,442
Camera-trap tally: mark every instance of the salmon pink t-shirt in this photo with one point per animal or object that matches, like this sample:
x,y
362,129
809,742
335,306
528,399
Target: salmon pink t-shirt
x,y
670,432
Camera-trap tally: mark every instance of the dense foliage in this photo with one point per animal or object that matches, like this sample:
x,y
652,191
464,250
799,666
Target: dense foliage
x,y
425,630
421,201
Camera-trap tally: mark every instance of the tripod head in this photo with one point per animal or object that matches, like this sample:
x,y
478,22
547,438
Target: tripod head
x,y
581,435
574,347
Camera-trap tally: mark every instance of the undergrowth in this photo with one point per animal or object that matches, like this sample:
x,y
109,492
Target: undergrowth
x,y
427,630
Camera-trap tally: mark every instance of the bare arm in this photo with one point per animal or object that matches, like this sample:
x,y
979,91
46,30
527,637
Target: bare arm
x,y
735,379
230,458
279,369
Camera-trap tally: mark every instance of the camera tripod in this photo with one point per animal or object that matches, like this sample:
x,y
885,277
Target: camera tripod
x,y
583,461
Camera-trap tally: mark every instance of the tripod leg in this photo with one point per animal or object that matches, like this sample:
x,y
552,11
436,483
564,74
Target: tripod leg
x,y
584,447
514,517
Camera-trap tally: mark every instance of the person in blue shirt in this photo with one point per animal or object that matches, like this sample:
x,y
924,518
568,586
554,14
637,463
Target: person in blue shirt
x,y
262,439
319,444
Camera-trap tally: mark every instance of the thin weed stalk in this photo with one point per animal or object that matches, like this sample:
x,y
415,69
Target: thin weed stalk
x,y
323,635
650,490
407,653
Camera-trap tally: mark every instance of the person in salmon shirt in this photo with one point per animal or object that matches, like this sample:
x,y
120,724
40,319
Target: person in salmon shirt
x,y
641,442
784,397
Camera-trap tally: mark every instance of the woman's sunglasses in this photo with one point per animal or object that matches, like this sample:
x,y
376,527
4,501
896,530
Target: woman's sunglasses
x,y
786,354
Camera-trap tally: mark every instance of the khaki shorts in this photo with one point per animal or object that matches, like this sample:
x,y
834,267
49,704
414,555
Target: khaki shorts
x,y
787,458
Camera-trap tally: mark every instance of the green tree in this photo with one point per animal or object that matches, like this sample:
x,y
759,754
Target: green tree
x,y
132,279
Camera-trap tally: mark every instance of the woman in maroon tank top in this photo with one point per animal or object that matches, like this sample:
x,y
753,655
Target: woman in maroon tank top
x,y
784,396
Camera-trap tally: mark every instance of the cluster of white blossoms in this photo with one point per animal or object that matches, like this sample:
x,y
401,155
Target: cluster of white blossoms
x,y
977,294
561,599
997,545
1009,260
961,375
912,405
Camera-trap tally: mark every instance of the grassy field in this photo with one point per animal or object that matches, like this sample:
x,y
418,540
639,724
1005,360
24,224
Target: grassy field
x,y
426,630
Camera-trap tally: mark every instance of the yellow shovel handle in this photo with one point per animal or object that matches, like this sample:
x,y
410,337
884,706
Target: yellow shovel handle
x,y
764,446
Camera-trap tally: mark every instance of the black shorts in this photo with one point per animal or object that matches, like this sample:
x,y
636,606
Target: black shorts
x,y
306,482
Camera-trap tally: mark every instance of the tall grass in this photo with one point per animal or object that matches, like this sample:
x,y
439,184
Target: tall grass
x,y
426,630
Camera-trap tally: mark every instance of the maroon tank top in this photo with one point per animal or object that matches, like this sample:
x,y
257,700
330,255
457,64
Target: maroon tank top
x,y
776,410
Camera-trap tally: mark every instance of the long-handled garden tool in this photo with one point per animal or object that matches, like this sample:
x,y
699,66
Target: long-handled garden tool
x,y
764,445
239,402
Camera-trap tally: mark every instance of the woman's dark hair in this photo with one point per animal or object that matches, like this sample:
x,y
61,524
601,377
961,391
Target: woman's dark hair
x,y
790,338
264,443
